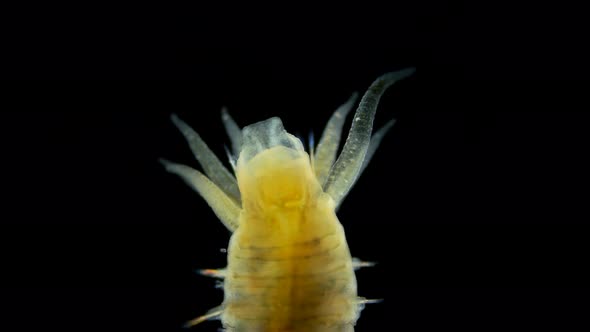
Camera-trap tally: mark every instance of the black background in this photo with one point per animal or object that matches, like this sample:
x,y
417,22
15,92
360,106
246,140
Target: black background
x,y
473,206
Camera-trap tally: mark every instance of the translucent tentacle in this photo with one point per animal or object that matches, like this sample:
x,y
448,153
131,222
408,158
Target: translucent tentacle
x,y
212,166
373,145
223,206
327,148
233,131
346,169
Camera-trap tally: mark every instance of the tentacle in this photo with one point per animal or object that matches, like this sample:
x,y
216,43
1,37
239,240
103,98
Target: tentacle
x,y
373,145
223,206
346,169
212,166
328,145
233,131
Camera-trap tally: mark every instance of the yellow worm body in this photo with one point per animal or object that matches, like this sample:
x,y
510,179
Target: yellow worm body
x,y
289,267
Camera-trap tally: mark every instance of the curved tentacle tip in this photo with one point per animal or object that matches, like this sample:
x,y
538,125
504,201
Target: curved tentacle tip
x,y
174,118
401,74
388,125
224,113
180,124
165,162
351,100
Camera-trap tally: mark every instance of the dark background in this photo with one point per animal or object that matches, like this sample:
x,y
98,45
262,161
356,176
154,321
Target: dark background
x,y
473,206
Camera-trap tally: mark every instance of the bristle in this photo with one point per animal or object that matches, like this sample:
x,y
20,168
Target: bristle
x,y
362,300
357,263
214,313
231,158
311,151
214,273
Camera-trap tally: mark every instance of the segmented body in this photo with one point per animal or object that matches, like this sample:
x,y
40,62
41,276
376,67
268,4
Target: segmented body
x,y
289,266
289,269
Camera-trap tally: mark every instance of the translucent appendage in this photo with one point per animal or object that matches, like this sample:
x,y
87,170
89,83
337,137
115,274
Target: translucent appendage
x,y
212,166
373,145
222,205
347,168
327,148
233,131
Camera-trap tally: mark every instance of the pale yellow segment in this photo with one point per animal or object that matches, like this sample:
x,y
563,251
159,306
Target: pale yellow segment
x,y
289,267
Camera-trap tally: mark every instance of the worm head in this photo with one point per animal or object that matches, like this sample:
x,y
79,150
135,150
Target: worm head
x,y
274,172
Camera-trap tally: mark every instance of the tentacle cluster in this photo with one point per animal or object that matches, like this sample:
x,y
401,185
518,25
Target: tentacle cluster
x,y
219,187
336,174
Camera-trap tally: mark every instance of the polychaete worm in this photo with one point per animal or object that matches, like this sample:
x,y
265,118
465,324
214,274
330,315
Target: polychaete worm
x,y
289,267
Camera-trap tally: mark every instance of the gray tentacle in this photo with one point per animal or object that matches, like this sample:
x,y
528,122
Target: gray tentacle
x,y
349,164
373,145
233,131
212,166
222,205
327,148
